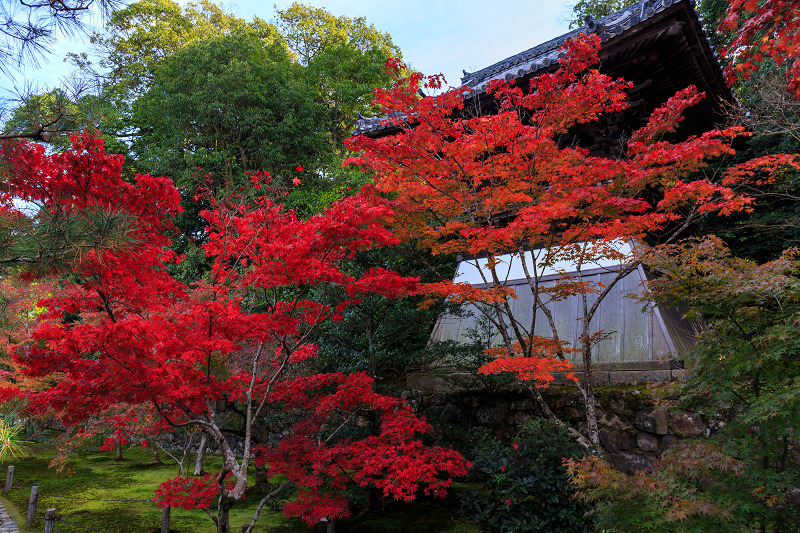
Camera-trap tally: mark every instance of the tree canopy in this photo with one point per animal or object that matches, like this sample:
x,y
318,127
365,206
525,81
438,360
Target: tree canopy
x,y
226,105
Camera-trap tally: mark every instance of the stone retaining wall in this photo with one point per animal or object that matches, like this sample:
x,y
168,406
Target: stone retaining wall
x,y
634,430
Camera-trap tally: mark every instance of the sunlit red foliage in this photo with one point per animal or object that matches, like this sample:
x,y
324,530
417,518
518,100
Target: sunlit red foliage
x,y
459,177
124,332
486,184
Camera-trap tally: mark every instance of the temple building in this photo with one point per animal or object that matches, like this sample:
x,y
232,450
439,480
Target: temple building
x,y
659,46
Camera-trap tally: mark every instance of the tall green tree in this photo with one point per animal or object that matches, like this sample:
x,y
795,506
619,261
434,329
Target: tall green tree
x,y
309,31
344,59
227,105
140,37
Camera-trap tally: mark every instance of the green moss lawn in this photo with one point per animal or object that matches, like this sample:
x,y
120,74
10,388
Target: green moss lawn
x,y
97,492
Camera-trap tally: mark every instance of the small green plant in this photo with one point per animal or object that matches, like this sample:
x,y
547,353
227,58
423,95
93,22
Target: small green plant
x,y
525,483
11,439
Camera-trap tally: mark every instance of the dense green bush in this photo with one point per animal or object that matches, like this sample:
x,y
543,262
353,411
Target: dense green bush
x,y
525,483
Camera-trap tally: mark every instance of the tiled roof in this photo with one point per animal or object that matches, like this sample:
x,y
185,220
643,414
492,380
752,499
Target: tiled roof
x,y
545,54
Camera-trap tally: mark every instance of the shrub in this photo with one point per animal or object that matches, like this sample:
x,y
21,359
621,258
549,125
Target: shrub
x,y
525,486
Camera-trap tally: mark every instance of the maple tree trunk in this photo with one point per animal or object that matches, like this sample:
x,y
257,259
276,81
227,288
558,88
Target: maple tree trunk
x,y
370,347
585,385
154,454
550,415
262,475
201,453
587,389
118,450
224,514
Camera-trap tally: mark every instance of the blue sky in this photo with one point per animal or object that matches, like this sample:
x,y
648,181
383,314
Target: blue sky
x,y
434,35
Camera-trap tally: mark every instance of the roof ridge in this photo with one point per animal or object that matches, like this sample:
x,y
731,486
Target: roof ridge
x,y
539,56
545,54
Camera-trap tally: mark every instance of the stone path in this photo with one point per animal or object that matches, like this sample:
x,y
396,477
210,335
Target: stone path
x,y
6,524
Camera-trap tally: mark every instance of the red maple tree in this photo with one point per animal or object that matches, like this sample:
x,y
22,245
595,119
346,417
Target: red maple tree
x,y
18,312
504,187
124,332
763,29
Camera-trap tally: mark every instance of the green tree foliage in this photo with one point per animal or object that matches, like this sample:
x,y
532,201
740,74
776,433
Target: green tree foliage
x,y
309,31
774,222
140,37
344,59
595,9
744,376
53,115
712,13
387,338
749,356
228,105
772,114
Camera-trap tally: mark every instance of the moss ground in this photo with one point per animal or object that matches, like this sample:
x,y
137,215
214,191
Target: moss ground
x,y
97,493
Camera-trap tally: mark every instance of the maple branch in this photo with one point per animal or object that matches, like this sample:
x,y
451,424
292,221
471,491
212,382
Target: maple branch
x,y
630,267
107,305
346,420
242,253
249,408
550,415
183,457
507,309
533,283
283,486
413,252
499,319
741,398
747,337
784,455
688,220
212,428
211,515
274,377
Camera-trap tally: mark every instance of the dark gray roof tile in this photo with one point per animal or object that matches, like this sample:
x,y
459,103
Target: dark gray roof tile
x,y
547,53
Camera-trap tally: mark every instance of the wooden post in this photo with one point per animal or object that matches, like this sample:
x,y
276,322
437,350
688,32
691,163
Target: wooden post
x,y
9,477
32,506
50,521
165,520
